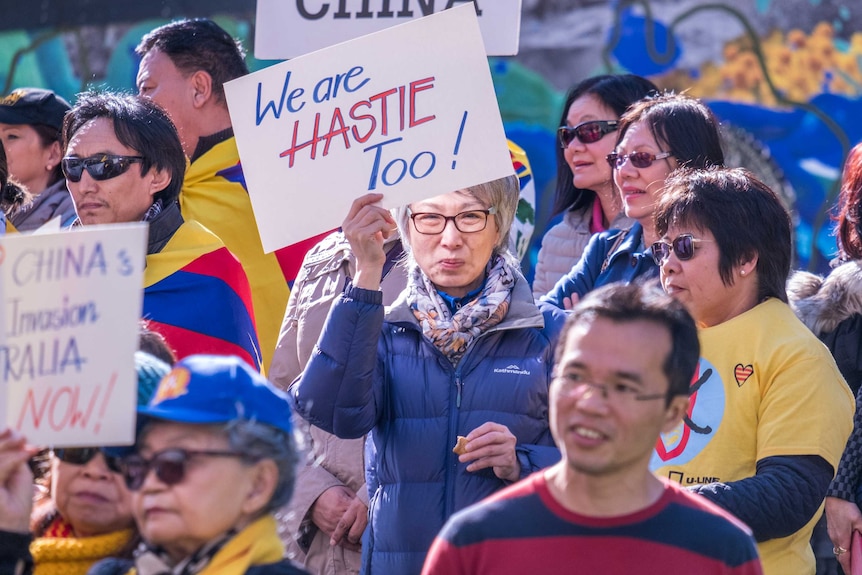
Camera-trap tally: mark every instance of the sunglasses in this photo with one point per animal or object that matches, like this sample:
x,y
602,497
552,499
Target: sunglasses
x,y
169,465
100,167
83,455
587,132
638,159
682,246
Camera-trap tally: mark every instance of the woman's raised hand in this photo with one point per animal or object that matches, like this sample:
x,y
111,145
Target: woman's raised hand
x,y
366,227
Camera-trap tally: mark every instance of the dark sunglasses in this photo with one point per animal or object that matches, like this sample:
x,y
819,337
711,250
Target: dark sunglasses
x,y
169,465
100,167
586,132
682,246
83,455
638,159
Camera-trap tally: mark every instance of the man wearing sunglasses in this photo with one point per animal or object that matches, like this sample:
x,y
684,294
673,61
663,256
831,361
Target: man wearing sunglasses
x,y
124,163
623,366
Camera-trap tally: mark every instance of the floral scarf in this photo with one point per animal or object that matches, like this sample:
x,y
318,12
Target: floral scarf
x,y
453,334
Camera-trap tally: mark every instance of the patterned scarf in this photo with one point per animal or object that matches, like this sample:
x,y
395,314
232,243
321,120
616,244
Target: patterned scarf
x,y
452,334
58,554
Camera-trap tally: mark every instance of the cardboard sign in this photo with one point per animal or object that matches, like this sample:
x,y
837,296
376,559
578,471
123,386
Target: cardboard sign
x,y
290,28
71,305
409,112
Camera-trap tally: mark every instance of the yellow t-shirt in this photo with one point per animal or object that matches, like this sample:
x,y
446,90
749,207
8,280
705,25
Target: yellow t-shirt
x,y
765,386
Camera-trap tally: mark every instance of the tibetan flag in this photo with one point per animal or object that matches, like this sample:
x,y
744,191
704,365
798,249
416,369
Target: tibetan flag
x,y
197,296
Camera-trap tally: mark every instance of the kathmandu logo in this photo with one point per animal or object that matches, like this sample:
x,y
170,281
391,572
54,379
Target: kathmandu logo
x,y
513,369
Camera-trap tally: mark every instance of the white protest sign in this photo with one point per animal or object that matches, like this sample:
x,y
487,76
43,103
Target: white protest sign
x,y
409,112
71,305
290,28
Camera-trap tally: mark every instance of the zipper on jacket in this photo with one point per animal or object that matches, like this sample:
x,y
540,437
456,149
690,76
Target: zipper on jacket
x,y
459,384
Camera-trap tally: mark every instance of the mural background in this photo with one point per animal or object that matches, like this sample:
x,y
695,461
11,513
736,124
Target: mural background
x,y
784,77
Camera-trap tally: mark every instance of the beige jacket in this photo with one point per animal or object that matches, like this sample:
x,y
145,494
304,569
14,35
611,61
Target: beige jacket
x,y
330,461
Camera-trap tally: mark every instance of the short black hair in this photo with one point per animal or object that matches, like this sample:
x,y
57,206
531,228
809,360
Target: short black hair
x,y
139,124
644,301
742,213
199,44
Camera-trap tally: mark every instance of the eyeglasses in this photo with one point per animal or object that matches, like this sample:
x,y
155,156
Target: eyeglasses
x,y
586,132
468,222
618,393
682,246
100,167
83,455
639,160
169,465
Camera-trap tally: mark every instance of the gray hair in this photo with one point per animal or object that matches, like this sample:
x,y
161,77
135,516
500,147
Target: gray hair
x,y
503,194
259,441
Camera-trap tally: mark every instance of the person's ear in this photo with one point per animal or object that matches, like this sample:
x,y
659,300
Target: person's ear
x,y
55,154
674,412
202,86
159,180
264,480
747,267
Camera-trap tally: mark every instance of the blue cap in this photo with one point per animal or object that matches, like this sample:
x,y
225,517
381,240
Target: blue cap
x,y
208,389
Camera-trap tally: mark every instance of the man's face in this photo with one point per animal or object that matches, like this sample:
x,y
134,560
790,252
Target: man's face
x,y
608,399
161,81
124,198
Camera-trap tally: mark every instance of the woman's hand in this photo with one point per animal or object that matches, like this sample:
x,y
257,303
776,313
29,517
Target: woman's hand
x,y
492,445
339,512
842,518
16,483
366,227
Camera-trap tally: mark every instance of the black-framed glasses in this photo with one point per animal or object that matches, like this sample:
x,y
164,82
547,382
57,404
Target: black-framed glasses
x,y
100,167
618,393
83,455
468,222
683,246
639,160
586,132
169,465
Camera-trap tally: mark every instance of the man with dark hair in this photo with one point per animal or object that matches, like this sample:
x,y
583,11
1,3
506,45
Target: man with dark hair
x,y
124,163
624,363
183,68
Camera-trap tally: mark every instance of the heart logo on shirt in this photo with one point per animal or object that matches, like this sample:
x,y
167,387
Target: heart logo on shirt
x,y
742,373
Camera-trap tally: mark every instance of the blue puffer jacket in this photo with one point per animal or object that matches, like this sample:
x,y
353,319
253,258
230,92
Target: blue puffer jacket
x,y
627,261
385,377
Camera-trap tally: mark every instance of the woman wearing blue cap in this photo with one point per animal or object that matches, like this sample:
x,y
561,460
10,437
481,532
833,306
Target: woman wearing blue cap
x,y
214,458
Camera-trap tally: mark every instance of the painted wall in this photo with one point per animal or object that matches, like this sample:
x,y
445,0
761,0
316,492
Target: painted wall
x,y
783,76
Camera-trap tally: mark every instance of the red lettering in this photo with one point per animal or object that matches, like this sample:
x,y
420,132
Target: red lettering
x,y
30,400
415,87
361,117
384,125
291,152
342,131
66,413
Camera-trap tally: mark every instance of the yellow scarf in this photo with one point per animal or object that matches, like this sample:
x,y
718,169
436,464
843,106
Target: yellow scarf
x,y
221,203
257,544
75,555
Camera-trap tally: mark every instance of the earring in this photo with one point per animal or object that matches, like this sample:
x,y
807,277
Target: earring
x,y
742,272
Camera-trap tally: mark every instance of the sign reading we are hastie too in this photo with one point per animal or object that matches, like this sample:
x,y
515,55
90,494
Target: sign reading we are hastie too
x,y
71,306
409,112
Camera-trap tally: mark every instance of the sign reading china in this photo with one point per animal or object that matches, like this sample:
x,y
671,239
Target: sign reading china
x,y
71,305
409,112
290,28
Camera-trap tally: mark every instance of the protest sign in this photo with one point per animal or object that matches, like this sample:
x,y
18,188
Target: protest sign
x,y
288,28
71,306
409,112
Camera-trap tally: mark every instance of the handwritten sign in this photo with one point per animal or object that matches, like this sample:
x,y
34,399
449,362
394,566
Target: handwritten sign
x,y
409,112
290,28
71,305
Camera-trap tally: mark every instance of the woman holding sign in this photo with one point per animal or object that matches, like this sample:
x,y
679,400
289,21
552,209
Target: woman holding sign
x,y
462,353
